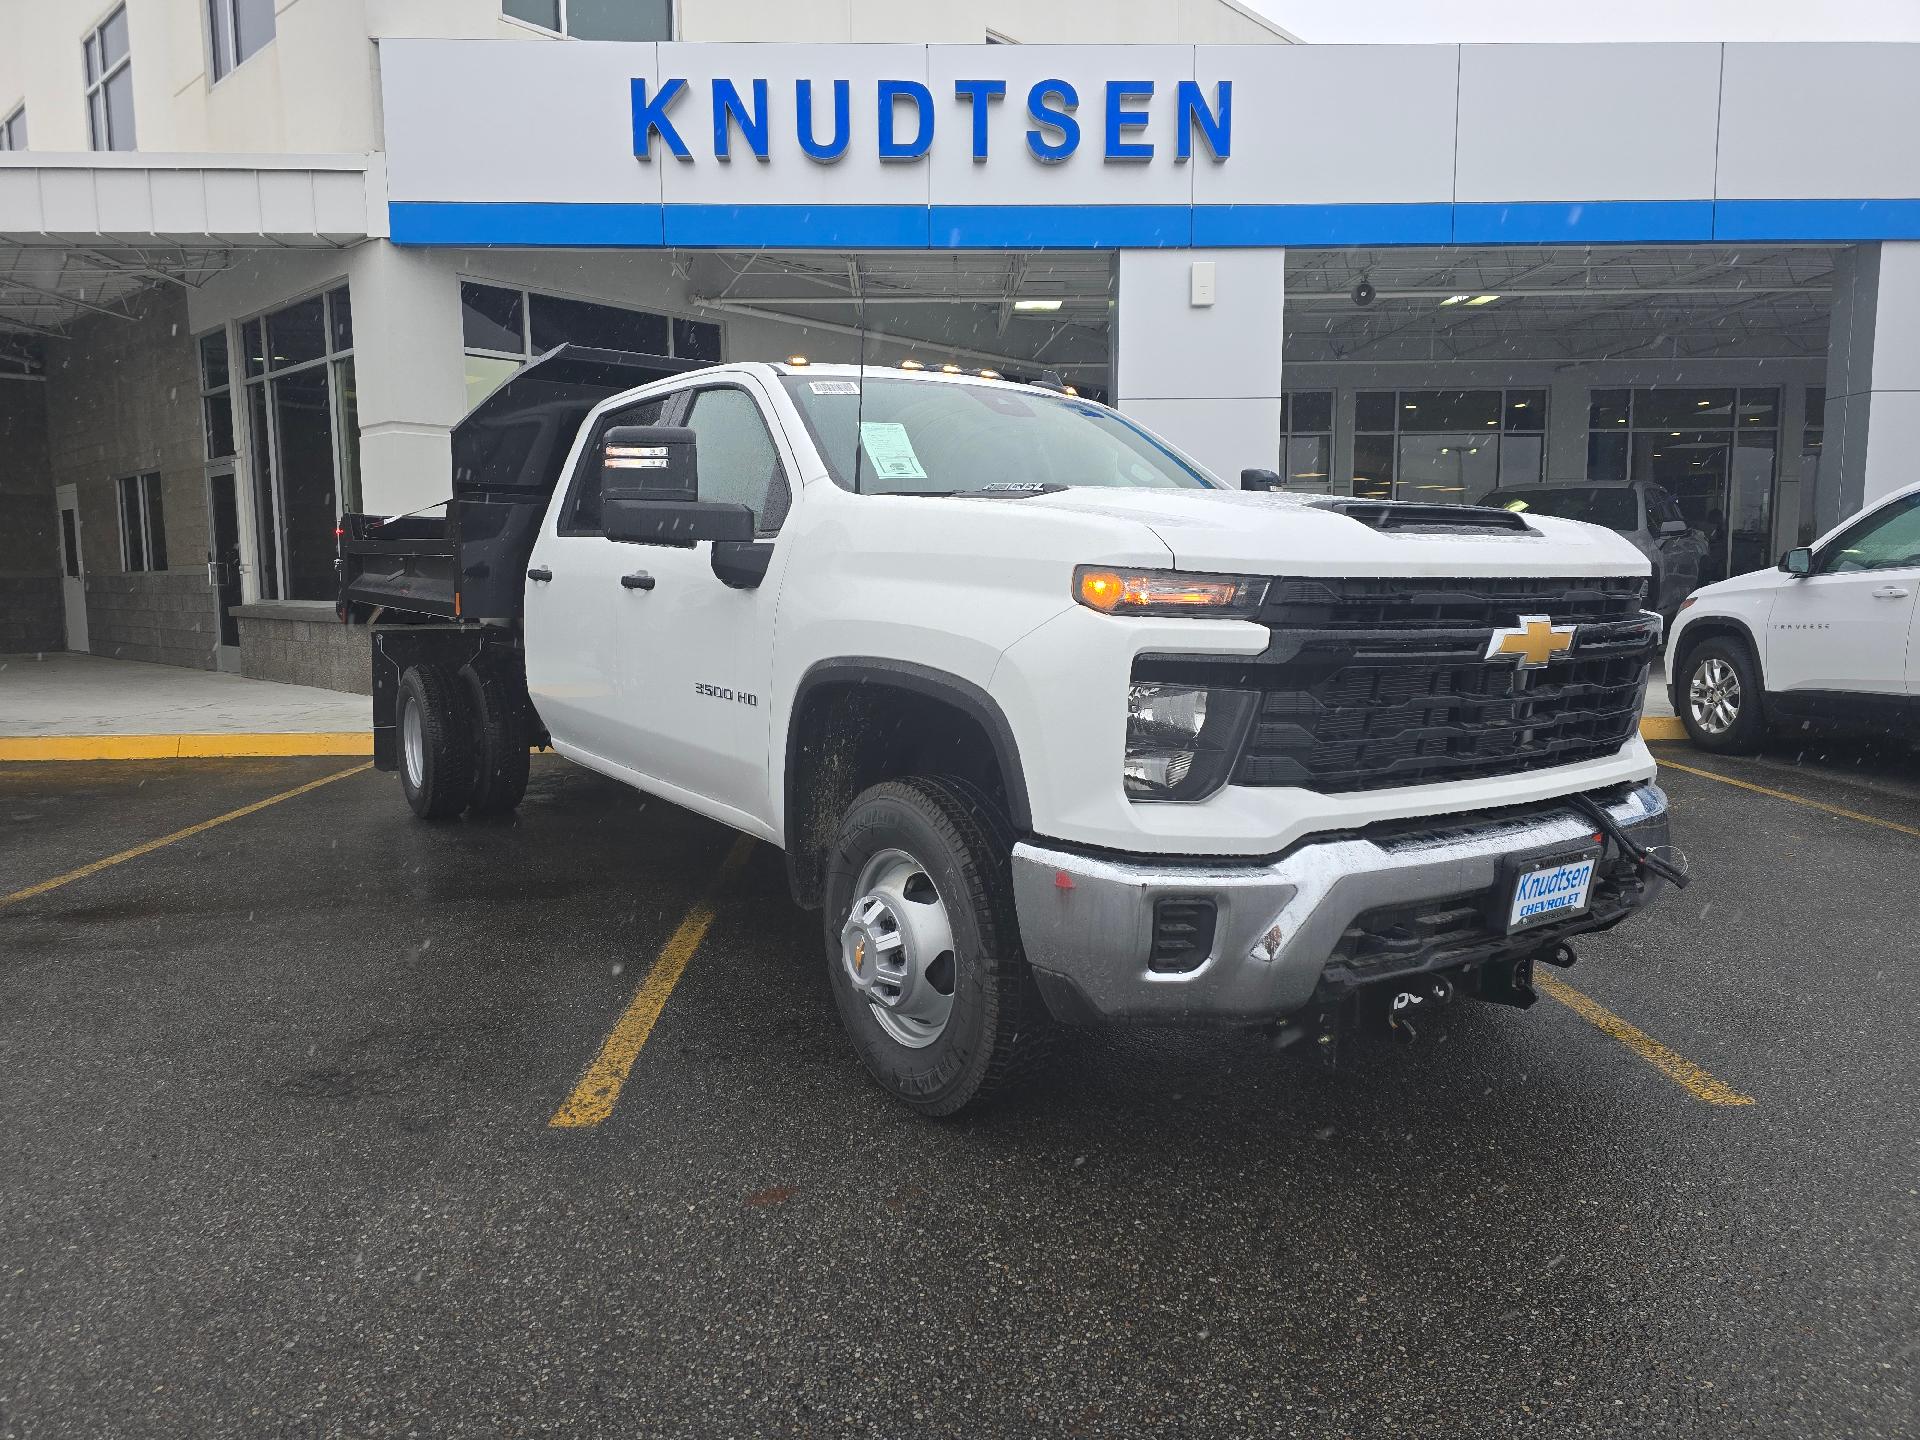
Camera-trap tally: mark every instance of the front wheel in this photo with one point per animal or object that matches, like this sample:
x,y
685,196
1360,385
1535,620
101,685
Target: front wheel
x,y
923,948
1720,698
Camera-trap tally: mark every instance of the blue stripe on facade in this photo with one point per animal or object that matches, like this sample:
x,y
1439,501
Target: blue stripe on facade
x,y
839,227
1786,220
1106,227
1060,227
1312,225
1583,222
419,222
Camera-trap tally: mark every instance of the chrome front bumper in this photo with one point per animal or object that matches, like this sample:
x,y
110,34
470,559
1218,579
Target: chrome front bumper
x,y
1087,922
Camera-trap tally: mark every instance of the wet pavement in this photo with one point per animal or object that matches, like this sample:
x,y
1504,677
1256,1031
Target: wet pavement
x,y
274,1105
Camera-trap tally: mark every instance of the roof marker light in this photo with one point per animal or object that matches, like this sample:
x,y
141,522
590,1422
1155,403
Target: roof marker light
x,y
798,360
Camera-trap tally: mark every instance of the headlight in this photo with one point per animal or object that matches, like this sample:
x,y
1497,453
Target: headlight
x,y
1168,592
1182,739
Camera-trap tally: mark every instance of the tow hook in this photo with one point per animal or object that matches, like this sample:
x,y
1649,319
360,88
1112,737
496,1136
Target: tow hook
x,y
1560,956
1431,993
1320,1032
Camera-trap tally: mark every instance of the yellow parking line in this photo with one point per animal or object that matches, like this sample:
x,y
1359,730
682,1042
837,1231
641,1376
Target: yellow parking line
x,y
598,1092
1677,1068
1841,811
150,846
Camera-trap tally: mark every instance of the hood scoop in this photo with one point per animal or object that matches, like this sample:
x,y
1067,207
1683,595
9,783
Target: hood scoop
x,y
1407,517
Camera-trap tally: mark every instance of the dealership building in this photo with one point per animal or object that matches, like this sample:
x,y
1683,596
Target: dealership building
x,y
259,257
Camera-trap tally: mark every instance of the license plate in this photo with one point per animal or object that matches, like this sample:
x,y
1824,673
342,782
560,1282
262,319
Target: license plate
x,y
1551,890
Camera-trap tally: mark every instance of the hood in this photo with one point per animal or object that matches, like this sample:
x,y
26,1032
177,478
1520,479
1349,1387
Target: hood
x,y
1769,579
1265,533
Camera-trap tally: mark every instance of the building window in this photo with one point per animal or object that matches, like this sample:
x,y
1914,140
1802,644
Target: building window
x,y
143,526
597,19
13,129
1306,441
1447,446
1713,449
504,328
1813,437
109,72
302,418
236,30
216,396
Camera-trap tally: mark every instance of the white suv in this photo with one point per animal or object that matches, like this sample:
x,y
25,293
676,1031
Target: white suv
x,y
1829,639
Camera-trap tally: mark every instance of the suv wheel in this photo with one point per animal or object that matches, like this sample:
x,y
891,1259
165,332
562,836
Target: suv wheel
x,y
436,742
1720,698
923,950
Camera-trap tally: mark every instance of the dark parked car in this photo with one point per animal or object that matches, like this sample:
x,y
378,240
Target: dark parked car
x,y
1638,509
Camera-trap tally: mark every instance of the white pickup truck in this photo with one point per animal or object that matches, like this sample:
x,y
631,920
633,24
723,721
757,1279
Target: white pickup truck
x,y
1052,726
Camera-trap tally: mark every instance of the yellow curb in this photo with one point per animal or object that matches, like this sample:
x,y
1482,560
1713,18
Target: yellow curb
x,y
182,747
1662,727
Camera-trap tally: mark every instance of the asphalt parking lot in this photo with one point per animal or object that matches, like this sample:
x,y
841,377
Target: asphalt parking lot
x,y
276,1102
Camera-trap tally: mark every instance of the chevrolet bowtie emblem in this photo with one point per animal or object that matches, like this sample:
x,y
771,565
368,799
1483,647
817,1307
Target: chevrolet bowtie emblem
x,y
1535,641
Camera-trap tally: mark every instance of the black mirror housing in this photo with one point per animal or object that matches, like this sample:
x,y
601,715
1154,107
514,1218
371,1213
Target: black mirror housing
x,y
649,462
1260,480
1798,561
674,522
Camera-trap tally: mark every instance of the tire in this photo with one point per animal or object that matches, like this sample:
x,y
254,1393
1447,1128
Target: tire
x,y
1722,704
919,845
436,741
495,698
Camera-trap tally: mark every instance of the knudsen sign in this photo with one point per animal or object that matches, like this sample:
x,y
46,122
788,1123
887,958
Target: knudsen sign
x,y
904,111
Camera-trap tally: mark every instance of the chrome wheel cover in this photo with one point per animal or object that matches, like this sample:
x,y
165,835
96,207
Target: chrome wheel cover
x,y
1713,696
413,744
896,948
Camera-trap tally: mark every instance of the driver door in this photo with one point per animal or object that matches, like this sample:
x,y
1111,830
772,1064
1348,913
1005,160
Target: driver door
x,y
1849,625
696,654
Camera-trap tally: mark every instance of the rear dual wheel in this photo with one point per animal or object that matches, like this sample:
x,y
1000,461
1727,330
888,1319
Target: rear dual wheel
x,y
463,739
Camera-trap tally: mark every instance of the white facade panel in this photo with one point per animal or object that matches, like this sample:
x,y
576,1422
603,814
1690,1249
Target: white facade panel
x,y
1838,121
1587,122
1012,174
1226,436
479,121
789,176
1333,124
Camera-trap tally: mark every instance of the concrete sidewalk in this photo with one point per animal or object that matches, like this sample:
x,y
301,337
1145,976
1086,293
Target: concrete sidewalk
x,y
87,707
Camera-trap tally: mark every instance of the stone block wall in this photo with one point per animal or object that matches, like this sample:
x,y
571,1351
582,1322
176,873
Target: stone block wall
x,y
167,617
304,645
32,613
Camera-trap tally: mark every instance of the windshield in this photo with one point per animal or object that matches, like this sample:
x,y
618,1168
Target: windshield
x,y
920,437
1615,509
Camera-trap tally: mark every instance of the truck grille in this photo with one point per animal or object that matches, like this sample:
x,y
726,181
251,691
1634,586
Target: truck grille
x,y
1375,684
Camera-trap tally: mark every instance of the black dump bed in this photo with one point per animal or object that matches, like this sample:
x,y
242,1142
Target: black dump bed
x,y
507,457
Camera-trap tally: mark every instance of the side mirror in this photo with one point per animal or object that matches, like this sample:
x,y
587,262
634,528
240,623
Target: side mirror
x,y
1260,480
1798,561
1675,527
649,462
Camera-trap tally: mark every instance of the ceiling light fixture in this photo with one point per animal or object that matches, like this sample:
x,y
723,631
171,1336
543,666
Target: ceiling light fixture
x,y
1483,299
1044,305
1455,299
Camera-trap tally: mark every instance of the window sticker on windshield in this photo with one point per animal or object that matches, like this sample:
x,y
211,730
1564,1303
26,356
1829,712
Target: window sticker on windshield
x,y
890,450
834,387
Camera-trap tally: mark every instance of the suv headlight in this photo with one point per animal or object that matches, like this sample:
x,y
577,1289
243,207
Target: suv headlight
x,y
1182,739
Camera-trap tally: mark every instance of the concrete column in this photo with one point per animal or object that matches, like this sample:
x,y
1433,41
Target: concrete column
x,y
1873,380
410,370
1207,376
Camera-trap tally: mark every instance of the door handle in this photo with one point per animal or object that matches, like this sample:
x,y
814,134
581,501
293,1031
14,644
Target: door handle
x,y
638,580
540,572
1892,592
